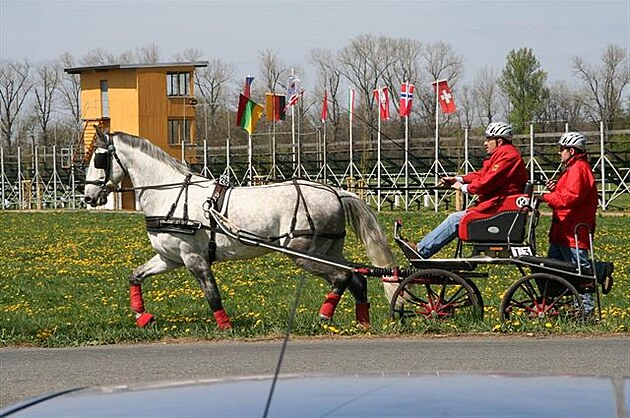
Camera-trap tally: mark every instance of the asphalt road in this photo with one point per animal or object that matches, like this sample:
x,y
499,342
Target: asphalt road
x,y
27,372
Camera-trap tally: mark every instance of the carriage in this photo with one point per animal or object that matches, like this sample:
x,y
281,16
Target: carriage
x,y
194,222
546,288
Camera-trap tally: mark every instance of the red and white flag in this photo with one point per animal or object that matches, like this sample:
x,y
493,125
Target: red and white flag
x,y
406,99
382,97
325,107
294,91
444,96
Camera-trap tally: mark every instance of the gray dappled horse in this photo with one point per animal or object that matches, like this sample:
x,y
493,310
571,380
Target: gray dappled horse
x,y
298,215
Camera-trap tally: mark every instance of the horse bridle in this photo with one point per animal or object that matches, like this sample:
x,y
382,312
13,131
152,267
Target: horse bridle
x,y
103,160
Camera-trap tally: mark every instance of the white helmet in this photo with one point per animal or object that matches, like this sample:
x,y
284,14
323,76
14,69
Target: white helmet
x,y
499,130
573,140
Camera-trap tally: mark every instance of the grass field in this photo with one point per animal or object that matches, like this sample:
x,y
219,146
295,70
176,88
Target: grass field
x,y
63,281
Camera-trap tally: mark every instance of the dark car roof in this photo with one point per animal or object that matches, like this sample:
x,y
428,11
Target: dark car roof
x,y
423,395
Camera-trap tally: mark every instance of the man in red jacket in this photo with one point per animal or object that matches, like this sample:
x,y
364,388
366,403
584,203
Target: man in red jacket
x,y
573,199
503,173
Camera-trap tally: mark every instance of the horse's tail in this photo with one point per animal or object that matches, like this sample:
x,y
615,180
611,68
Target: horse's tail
x,y
368,229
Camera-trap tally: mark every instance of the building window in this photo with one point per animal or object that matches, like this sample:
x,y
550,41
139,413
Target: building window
x,y
104,99
178,131
178,84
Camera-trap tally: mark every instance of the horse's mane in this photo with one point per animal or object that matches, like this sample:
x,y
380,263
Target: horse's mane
x,y
146,147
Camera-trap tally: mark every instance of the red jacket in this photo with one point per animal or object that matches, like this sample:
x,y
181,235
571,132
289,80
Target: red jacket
x,y
574,201
502,174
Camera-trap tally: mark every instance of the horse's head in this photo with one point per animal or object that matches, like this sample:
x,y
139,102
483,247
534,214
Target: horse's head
x,y
104,172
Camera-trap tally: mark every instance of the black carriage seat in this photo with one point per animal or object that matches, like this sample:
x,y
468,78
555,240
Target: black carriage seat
x,y
504,221
569,271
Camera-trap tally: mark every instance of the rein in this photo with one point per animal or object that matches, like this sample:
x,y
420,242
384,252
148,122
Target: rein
x,y
159,186
169,223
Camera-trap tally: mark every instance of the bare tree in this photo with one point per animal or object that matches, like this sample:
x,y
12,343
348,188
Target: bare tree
x,y
466,106
405,66
188,55
604,85
562,106
364,63
148,54
45,86
486,94
329,80
271,70
440,62
212,84
99,57
15,85
70,90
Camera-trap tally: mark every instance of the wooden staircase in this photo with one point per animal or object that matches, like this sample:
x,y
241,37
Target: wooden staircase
x,y
88,138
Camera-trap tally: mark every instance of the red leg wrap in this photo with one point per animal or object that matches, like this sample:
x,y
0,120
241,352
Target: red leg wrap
x,y
144,319
362,311
135,298
222,319
328,307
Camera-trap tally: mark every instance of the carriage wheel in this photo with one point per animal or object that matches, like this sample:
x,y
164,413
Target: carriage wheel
x,y
436,294
542,296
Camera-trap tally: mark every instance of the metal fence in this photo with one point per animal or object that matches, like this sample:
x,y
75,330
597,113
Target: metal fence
x,y
396,173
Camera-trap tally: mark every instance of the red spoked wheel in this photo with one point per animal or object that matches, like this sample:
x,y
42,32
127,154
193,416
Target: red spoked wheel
x,y
542,296
436,294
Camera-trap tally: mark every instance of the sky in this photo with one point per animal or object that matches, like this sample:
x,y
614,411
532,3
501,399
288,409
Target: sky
x,y
236,31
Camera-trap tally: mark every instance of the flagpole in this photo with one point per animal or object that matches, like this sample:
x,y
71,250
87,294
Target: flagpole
x,y
273,147
378,153
249,158
407,161
437,139
299,149
325,154
351,100
294,159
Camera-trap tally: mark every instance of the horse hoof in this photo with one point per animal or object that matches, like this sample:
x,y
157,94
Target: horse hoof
x,y
223,320
363,314
324,317
144,319
225,326
328,307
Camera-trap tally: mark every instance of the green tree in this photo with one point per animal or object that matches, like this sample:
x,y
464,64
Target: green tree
x,y
523,83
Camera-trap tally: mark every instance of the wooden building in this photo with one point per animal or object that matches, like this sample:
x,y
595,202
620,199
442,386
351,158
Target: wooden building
x,y
155,101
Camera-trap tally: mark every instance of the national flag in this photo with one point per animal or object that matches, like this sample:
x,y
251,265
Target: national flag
x,y
325,107
294,91
406,99
248,86
275,106
248,113
444,96
350,104
382,97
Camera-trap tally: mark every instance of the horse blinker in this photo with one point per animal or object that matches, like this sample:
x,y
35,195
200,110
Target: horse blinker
x,y
101,160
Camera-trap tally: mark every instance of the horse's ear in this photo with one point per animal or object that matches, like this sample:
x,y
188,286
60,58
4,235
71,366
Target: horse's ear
x,y
101,138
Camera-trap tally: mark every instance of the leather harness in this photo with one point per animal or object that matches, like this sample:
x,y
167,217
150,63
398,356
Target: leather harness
x,y
218,201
